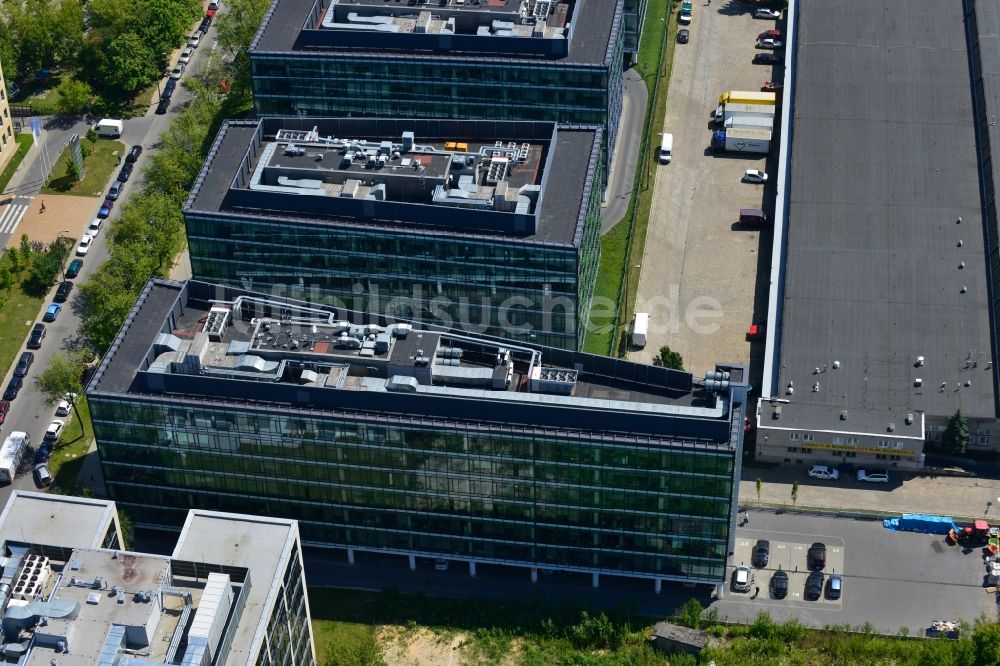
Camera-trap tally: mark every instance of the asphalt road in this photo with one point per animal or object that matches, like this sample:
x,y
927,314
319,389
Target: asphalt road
x,y
891,579
28,412
621,174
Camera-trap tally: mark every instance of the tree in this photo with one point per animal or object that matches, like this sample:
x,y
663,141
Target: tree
x,y
25,251
795,492
108,296
956,435
125,523
47,266
73,170
236,29
73,96
689,615
758,484
62,378
986,639
667,358
129,64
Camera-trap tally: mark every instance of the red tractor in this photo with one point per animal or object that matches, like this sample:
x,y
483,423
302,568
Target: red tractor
x,y
976,535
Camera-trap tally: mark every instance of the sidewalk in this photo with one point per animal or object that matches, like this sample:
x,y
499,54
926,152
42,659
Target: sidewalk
x,y
905,493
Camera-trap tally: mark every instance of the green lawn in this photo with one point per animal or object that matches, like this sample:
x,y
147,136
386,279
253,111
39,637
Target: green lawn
x,y
17,314
98,166
67,458
618,249
24,142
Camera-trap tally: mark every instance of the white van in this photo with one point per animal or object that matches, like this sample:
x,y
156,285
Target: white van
x,y
666,148
640,326
109,128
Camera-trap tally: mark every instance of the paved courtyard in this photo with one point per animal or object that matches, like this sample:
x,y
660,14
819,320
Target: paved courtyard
x,y
699,268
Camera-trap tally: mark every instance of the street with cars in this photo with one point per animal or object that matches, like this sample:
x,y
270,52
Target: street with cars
x,y
56,329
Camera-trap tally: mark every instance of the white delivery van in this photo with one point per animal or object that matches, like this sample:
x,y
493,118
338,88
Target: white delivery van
x,y
11,453
109,128
640,326
666,148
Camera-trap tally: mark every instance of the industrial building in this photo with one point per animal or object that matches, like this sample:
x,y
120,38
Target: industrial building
x,y
884,276
540,60
490,227
232,592
392,437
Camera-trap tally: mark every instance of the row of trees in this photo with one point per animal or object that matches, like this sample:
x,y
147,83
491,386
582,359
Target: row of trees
x,y
116,46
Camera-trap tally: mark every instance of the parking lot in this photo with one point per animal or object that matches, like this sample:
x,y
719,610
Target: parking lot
x,y
699,268
788,553
891,579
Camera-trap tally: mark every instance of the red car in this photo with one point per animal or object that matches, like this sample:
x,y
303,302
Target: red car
x,y
772,34
210,13
4,408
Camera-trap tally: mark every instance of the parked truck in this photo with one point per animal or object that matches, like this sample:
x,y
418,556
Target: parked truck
x,y
11,454
748,122
747,97
753,110
742,141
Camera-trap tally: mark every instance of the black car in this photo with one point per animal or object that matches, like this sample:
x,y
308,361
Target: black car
x,y
779,584
817,556
168,89
126,171
814,585
161,108
206,23
760,553
769,58
23,363
62,293
683,35
36,337
74,268
13,388
133,154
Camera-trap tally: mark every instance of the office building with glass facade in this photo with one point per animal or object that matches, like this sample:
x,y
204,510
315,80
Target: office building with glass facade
x,y
551,60
488,227
635,18
393,437
233,591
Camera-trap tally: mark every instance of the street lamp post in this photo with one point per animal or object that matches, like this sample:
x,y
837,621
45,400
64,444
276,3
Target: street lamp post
x,y
62,260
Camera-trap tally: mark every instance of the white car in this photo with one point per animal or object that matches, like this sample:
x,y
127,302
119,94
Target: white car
x,y
62,409
186,55
440,564
94,227
873,476
754,176
53,431
767,14
84,247
769,43
177,71
741,579
194,40
824,472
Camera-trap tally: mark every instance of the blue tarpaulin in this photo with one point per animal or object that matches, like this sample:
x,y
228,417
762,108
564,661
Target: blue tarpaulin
x,y
918,522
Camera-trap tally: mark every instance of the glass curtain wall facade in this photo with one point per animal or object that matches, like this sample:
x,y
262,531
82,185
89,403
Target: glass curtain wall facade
x,y
640,505
527,291
287,641
333,84
635,16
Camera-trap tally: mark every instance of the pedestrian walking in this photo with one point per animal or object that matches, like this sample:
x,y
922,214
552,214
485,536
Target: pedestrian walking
x,y
119,158
756,591
42,209
746,518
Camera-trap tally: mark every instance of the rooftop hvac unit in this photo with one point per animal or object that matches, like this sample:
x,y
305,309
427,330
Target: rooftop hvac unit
x,y
215,325
553,380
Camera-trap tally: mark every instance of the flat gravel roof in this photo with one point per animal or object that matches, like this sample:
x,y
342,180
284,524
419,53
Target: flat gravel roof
x,y
879,268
